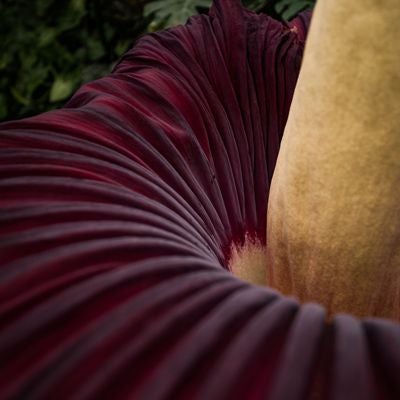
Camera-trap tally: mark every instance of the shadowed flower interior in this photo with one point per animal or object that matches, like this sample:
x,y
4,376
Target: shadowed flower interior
x,y
122,212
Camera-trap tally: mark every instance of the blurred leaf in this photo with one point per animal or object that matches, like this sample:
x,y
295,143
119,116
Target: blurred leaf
x,y
19,97
154,26
3,106
27,60
94,71
79,6
42,6
61,89
173,12
122,46
5,60
46,36
31,76
288,9
72,18
256,5
95,49
109,31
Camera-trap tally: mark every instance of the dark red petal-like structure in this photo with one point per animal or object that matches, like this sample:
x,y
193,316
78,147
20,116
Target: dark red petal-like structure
x,y
118,213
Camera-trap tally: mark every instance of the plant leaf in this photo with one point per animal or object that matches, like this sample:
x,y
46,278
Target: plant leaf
x,y
61,89
288,9
173,12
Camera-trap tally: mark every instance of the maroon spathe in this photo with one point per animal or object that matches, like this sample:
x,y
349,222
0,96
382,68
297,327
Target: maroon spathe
x,y
117,215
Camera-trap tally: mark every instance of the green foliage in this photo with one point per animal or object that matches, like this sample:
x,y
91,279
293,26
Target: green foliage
x,y
166,13
48,48
288,9
256,5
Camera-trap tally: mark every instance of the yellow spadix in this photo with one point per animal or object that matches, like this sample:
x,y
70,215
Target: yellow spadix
x,y
334,208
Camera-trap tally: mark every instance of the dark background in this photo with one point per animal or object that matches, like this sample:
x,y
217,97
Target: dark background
x,y
48,48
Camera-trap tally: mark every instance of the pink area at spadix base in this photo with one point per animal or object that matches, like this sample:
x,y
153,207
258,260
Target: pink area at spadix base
x,y
117,217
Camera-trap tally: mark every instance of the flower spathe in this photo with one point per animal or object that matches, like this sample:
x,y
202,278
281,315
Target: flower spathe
x,y
117,217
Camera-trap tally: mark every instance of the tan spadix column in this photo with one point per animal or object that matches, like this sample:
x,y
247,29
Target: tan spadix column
x,y
334,210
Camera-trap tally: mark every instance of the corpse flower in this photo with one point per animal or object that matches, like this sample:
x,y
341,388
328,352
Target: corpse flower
x,y
124,214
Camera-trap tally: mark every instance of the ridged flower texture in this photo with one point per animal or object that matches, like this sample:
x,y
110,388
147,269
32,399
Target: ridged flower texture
x,y
120,214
